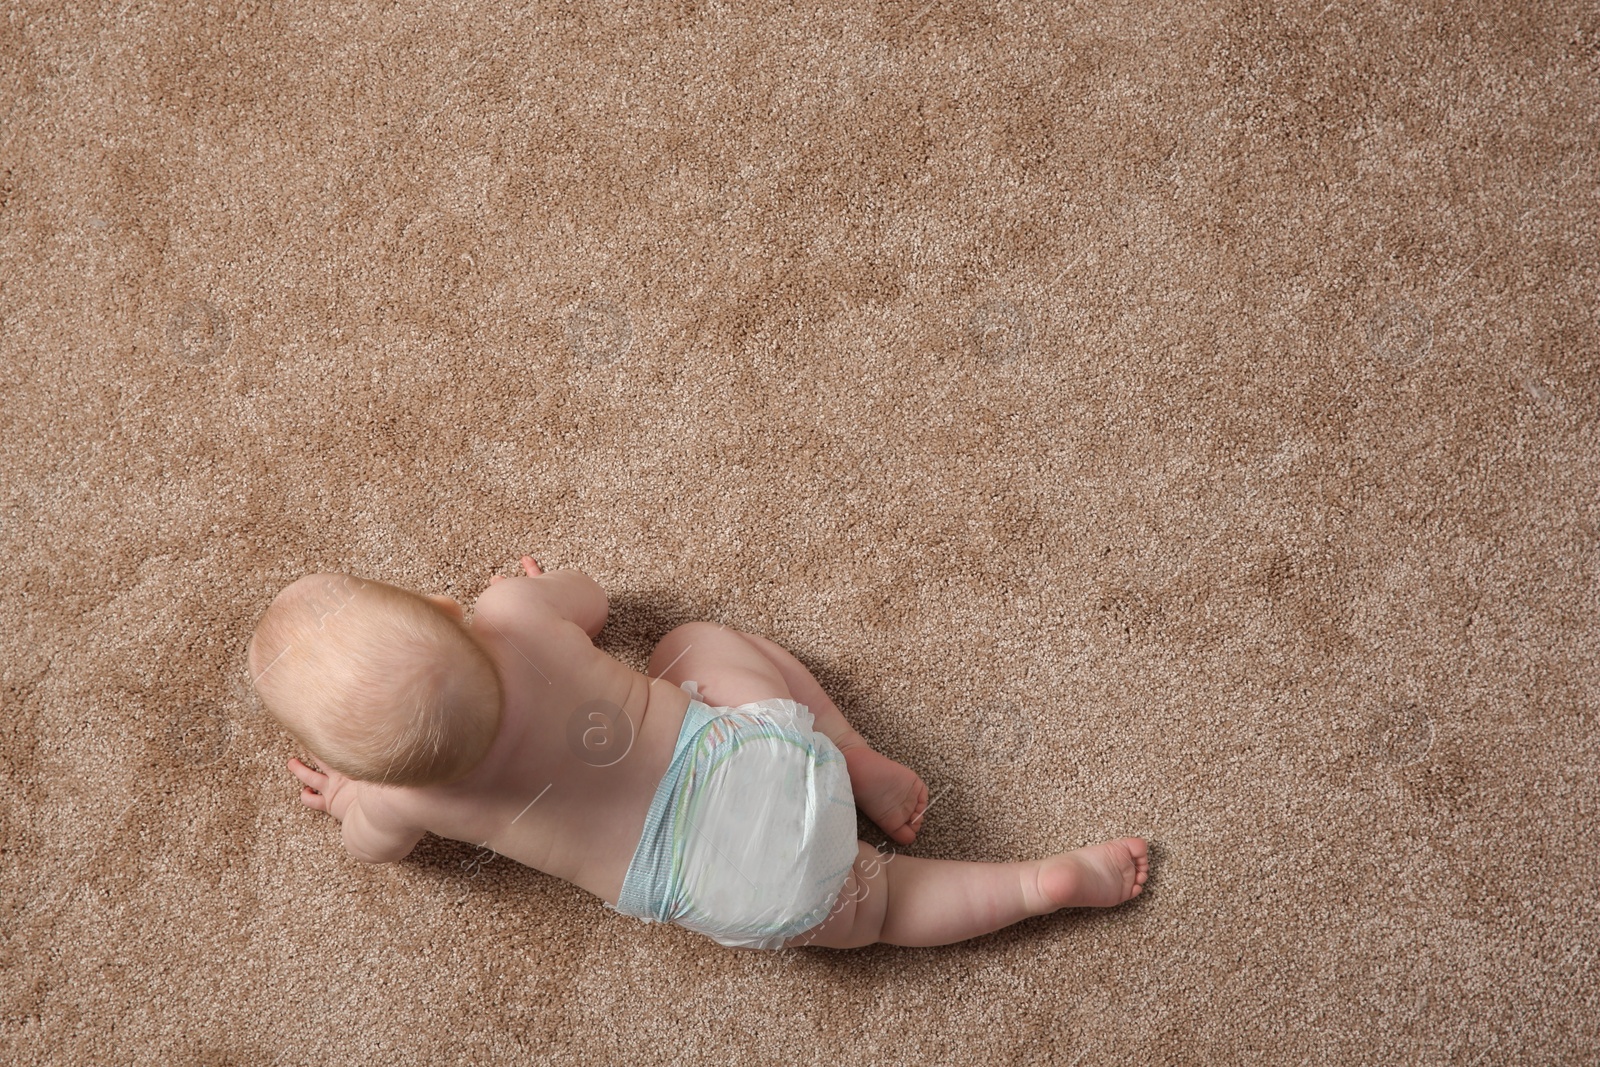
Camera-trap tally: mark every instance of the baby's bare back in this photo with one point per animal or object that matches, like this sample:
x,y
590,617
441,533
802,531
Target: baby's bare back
x,y
583,742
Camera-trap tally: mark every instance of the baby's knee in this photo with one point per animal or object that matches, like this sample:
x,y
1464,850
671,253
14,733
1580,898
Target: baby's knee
x,y
675,643
729,669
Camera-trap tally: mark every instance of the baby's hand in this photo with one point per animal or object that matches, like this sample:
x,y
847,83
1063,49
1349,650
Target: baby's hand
x,y
529,565
327,791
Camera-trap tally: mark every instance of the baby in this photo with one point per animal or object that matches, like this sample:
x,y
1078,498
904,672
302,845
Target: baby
x,y
717,792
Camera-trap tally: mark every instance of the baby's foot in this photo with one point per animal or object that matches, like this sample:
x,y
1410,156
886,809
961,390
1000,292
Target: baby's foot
x,y
1100,876
890,793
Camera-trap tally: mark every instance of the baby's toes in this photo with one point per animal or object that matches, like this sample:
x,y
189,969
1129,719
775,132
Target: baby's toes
x,y
910,813
890,793
919,805
898,827
1139,871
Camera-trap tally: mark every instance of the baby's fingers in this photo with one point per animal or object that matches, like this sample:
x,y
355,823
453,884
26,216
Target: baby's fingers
x,y
314,779
315,782
531,566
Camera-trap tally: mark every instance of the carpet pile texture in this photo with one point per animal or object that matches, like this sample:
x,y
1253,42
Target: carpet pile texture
x,y
1172,420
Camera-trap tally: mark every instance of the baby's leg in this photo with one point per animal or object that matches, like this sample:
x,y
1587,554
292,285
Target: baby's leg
x,y
735,668
905,900
890,793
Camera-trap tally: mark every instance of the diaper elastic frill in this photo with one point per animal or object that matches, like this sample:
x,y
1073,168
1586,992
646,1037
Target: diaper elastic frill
x,y
752,831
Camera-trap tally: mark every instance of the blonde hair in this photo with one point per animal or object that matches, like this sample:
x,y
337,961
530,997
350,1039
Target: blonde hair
x,y
377,682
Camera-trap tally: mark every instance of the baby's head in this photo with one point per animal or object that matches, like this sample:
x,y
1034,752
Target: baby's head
x,y
380,684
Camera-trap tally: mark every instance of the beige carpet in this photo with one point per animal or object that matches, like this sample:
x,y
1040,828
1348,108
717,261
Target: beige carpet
x,y
1143,423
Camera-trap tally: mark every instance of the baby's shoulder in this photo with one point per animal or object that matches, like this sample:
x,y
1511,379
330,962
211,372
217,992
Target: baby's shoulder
x,y
515,600
521,631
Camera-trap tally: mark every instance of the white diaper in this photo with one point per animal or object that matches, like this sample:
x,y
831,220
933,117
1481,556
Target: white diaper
x,y
752,830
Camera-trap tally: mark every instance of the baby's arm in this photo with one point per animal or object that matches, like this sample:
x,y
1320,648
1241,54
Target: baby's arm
x,y
572,594
372,840
372,833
